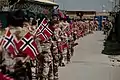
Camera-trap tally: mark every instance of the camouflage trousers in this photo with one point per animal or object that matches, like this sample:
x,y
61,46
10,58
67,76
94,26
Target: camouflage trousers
x,y
55,65
46,68
63,57
70,52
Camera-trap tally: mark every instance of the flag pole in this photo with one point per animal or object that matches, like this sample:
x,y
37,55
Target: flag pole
x,y
38,27
25,59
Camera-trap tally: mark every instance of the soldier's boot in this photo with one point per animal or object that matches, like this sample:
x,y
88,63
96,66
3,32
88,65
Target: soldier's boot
x,y
55,70
64,58
56,75
60,59
63,62
56,78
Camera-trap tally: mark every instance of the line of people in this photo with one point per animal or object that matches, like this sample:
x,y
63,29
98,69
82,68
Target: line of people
x,y
55,52
60,48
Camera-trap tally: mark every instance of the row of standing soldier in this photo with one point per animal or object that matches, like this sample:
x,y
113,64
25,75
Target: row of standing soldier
x,y
51,54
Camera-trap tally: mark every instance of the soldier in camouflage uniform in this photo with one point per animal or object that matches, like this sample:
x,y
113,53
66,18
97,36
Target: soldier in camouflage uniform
x,y
54,50
60,29
46,67
63,25
68,39
57,33
70,48
44,64
45,58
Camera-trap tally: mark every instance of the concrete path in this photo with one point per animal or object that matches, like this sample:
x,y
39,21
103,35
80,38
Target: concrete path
x,y
88,63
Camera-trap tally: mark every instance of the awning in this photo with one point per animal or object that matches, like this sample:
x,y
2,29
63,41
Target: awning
x,y
47,2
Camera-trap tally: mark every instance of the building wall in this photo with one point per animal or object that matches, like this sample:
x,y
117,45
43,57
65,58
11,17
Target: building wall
x,y
86,14
102,14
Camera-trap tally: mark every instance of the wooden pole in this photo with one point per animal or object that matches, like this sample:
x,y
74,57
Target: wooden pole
x,y
25,59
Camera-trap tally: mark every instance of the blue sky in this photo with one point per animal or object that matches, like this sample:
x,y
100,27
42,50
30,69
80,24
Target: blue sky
x,y
84,4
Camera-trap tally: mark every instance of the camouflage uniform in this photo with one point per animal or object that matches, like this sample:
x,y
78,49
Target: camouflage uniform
x,y
70,48
46,67
75,31
54,50
57,35
9,60
65,50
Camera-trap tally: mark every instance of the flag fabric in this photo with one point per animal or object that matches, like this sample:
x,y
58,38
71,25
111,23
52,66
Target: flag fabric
x,y
44,31
28,46
10,43
5,77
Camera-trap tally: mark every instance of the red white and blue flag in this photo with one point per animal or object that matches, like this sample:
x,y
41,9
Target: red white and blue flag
x,y
28,46
44,31
9,43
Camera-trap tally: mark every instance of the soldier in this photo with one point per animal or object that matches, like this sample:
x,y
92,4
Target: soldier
x,y
55,55
10,61
61,36
57,33
75,30
46,66
68,39
27,27
54,50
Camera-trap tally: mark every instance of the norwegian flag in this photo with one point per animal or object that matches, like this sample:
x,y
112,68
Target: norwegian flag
x,y
44,31
28,46
5,77
9,42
